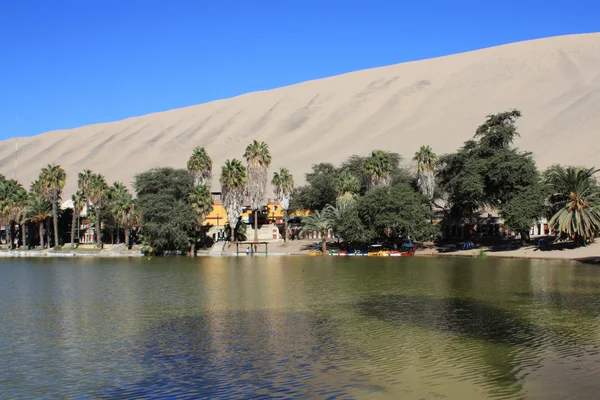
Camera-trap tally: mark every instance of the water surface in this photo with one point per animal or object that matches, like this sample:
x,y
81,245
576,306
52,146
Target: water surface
x,y
299,327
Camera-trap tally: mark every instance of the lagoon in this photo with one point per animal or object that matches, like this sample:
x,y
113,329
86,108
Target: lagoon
x,y
299,327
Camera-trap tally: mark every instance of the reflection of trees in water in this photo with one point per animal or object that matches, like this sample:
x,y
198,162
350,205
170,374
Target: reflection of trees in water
x,y
499,338
242,354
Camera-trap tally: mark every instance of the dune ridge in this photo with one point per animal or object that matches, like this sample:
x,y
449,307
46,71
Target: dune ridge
x,y
555,82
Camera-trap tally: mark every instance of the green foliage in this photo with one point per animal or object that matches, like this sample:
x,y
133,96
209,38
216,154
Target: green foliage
x,y
395,214
200,166
487,172
168,221
577,199
319,190
239,233
524,209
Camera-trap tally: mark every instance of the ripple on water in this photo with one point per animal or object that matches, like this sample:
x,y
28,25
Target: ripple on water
x,y
245,354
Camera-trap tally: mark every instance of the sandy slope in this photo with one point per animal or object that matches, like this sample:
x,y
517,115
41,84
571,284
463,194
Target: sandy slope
x,y
440,102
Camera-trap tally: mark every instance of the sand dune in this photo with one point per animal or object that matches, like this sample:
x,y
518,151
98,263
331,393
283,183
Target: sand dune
x,y
555,82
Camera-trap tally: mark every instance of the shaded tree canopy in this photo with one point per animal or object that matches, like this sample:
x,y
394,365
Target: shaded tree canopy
x,y
168,221
487,171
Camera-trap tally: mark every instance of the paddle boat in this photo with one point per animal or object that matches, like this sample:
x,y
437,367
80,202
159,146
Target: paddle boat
x,y
406,250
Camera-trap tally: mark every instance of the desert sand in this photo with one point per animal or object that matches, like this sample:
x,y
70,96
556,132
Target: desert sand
x,y
555,82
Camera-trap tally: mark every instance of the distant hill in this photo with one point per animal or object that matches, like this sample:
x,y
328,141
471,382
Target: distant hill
x,y
555,82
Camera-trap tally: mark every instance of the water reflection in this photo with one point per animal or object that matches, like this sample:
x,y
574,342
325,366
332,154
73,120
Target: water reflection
x,y
244,354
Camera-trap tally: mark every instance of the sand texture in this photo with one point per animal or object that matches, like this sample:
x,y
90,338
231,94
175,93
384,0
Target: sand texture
x,y
555,82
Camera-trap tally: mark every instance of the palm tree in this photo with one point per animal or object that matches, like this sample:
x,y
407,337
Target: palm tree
x,y
579,195
233,185
320,222
78,200
284,188
38,211
83,183
425,159
52,180
201,201
118,204
19,205
12,198
378,168
98,196
200,166
258,158
347,187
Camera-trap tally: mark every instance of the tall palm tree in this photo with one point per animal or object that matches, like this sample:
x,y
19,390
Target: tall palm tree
x,y
200,166
78,200
119,203
426,159
378,168
98,195
38,211
19,208
347,186
258,158
83,184
283,181
201,201
52,180
12,199
131,218
579,195
233,186
320,222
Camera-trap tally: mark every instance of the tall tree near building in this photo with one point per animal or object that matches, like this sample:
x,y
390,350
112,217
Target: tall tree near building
x,y
426,159
38,211
98,197
283,181
378,168
233,186
52,181
200,166
259,159
201,202
78,200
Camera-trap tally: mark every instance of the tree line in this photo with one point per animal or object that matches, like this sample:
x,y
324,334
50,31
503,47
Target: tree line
x,y
365,199
374,199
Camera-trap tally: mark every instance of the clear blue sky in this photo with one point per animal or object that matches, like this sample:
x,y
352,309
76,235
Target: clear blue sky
x,y
68,63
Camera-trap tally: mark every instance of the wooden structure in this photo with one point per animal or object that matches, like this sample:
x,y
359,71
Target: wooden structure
x,y
251,248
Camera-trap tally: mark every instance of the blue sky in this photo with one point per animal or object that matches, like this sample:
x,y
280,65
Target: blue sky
x,y
69,63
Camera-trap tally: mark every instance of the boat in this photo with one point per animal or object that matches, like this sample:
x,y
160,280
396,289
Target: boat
x,y
315,253
333,252
342,253
406,250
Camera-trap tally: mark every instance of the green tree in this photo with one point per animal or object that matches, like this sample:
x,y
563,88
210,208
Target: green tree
x,y
577,192
319,190
487,171
379,168
200,166
259,159
167,220
78,200
52,181
397,213
12,196
122,208
83,184
201,201
320,222
98,195
524,210
233,186
347,187
283,182
38,211
426,160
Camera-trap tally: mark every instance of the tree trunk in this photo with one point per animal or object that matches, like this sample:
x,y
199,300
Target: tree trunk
x,y
73,222
9,235
324,243
231,233
47,232
98,231
41,228
55,221
24,234
127,233
284,226
256,225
